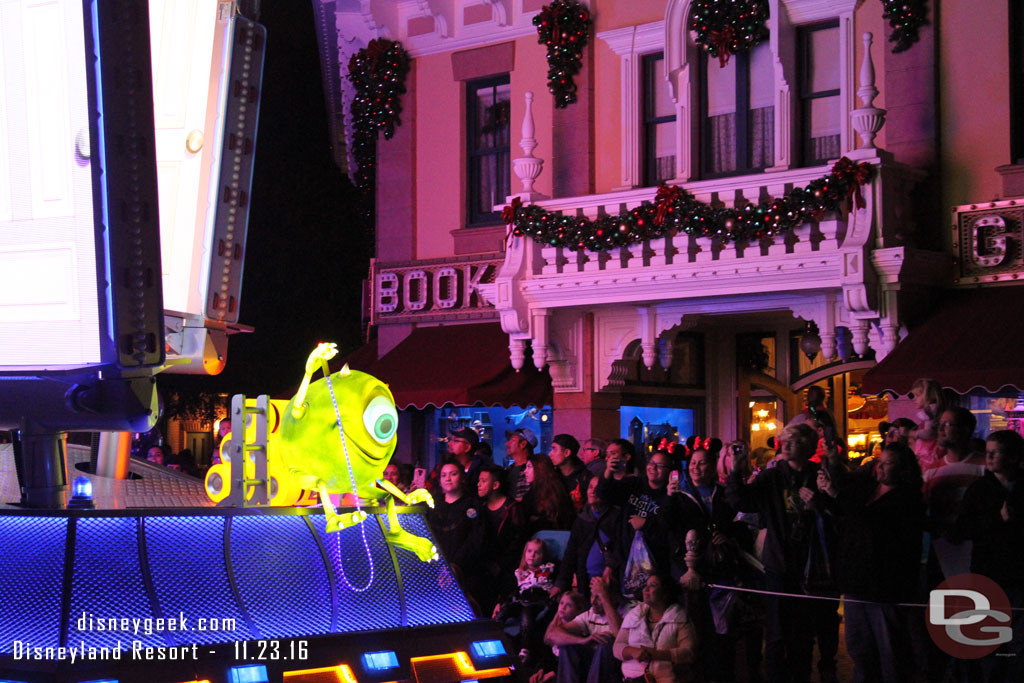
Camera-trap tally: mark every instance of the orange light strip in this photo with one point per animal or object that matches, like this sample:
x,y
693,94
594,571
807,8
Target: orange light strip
x,y
342,671
465,665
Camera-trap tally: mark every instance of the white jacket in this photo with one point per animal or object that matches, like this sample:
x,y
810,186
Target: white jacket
x,y
674,633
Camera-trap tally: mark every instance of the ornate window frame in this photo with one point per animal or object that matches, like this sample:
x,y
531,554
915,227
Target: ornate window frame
x,y
631,43
681,70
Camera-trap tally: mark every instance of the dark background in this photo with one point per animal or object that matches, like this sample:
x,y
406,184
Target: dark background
x,y
306,248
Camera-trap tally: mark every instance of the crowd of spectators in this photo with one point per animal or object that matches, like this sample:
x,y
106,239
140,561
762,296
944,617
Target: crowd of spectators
x,y
704,562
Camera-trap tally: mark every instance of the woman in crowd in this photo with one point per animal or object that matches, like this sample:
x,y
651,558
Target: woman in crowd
x,y
458,528
547,504
881,515
656,640
720,615
991,517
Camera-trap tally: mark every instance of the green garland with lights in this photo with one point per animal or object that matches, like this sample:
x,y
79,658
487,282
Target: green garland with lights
x,y
727,27
905,17
675,211
564,27
378,73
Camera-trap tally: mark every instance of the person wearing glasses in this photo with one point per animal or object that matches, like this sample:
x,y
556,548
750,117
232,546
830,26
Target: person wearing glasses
x,y
592,455
646,504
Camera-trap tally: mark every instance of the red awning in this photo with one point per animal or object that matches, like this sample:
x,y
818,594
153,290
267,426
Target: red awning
x,y
973,341
460,364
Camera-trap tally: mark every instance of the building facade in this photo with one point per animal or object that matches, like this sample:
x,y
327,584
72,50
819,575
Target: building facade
x,y
729,331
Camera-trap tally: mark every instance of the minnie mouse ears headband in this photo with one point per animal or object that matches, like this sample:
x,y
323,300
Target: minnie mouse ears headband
x,y
710,444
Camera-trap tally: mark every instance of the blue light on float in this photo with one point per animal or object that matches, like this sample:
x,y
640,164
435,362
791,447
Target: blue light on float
x,y
380,661
487,648
81,494
253,673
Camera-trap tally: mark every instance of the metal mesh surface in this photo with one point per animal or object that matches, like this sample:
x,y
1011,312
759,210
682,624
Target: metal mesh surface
x,y
32,571
281,575
107,583
186,560
431,592
377,606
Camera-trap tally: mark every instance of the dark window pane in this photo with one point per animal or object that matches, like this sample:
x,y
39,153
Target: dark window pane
x,y
487,169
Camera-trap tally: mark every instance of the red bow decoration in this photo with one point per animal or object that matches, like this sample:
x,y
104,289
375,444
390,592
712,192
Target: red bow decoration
x,y
855,175
666,197
667,445
508,214
375,50
721,41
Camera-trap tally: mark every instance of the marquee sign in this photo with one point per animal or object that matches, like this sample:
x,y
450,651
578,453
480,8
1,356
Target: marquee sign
x,y
436,289
987,241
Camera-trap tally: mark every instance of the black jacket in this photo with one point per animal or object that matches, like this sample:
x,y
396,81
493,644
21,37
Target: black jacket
x,y
459,531
636,497
879,542
693,514
998,550
789,522
582,538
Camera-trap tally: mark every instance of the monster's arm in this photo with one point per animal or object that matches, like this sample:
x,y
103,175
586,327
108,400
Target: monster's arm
x,y
318,359
412,498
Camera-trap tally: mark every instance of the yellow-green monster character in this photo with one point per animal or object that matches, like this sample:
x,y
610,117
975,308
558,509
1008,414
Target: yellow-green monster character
x,y
337,435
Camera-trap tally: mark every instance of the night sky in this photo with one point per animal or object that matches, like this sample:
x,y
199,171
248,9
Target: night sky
x,y
305,255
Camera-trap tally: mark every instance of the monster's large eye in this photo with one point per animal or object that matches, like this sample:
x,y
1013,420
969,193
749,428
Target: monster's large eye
x,y
380,419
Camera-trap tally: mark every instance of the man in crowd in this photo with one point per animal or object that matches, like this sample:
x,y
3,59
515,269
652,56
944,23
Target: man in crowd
x,y
620,458
574,476
519,446
592,455
462,445
900,430
787,498
503,537
945,483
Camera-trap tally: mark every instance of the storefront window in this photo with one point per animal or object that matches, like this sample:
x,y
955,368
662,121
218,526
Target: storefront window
x,y
491,424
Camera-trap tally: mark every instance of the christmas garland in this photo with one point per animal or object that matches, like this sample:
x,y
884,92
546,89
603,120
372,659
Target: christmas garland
x,y
676,211
378,74
905,17
563,26
727,27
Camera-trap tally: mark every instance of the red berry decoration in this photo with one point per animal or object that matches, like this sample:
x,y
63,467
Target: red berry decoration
x,y
564,27
728,27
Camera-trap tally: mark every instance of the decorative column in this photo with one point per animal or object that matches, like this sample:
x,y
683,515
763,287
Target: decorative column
x,y
528,167
540,337
867,120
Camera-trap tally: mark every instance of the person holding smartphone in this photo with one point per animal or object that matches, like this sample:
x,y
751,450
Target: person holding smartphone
x,y
797,545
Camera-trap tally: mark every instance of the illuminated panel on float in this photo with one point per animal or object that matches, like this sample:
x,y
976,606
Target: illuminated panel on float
x,y
443,667
380,661
488,648
254,673
328,674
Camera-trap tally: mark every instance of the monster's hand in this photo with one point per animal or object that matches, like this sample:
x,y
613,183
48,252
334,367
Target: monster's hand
x,y
318,359
411,498
420,496
322,352
344,521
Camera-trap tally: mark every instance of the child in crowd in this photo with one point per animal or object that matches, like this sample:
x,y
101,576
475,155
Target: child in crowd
x,y
570,605
535,582
930,403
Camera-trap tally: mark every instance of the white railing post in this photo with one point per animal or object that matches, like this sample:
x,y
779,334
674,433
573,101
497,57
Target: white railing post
x,y
528,167
868,119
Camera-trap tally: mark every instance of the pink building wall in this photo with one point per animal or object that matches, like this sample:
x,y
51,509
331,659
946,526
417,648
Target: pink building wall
x,y
975,100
